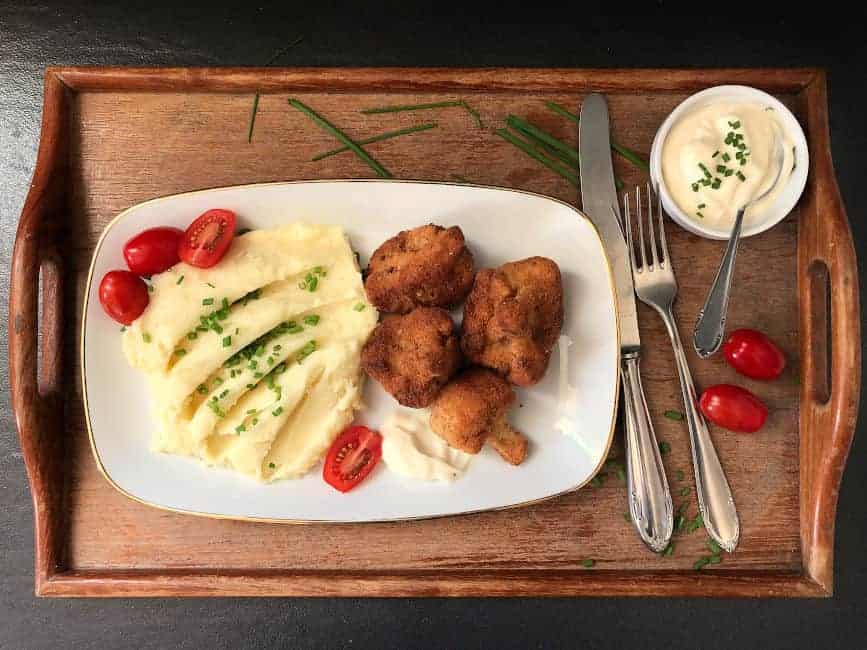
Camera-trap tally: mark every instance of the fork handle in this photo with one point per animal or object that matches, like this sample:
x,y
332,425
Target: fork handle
x,y
715,500
649,497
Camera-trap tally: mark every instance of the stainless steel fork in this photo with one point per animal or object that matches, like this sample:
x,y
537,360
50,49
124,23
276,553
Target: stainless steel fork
x,y
656,287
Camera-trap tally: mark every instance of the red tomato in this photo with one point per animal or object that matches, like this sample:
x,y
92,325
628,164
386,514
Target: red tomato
x,y
207,238
153,251
123,295
753,354
351,458
733,408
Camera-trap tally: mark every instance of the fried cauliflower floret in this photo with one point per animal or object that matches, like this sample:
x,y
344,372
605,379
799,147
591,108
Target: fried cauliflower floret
x,y
428,266
413,355
472,409
513,317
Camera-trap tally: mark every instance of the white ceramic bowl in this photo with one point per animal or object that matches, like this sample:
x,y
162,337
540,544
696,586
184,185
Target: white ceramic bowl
x,y
787,198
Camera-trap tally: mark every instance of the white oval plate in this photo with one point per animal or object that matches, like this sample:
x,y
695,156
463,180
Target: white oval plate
x,y
500,225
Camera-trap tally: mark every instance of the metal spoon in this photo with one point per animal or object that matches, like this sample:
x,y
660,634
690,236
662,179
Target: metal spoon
x,y
711,324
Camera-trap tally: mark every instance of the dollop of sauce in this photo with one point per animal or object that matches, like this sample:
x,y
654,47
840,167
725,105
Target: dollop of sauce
x,y
412,449
719,156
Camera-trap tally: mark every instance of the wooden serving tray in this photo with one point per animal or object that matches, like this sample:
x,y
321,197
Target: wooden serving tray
x,y
112,137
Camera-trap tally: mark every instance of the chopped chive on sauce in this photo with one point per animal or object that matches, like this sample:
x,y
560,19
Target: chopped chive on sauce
x,y
359,306
123,328
192,336
218,380
729,172
251,386
150,288
224,393
201,389
294,329
588,563
716,153
721,169
240,429
726,157
216,409
736,124
207,301
272,466
311,319
227,341
307,349
213,286
704,170
716,183
180,352
180,279
145,337
664,447
672,414
254,421
695,187
277,411
741,176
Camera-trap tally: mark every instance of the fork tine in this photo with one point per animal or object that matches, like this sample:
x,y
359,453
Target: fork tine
x,y
661,228
627,217
640,226
650,232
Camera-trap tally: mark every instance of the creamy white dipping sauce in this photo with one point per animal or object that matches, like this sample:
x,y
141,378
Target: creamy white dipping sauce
x,y
719,156
412,449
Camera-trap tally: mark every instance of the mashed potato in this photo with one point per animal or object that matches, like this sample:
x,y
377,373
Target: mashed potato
x,y
254,364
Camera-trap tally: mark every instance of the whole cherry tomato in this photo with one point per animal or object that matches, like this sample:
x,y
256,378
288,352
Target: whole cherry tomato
x,y
754,355
153,251
208,238
123,295
733,408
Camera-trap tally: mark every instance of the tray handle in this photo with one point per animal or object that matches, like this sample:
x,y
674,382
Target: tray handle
x,y
36,383
830,344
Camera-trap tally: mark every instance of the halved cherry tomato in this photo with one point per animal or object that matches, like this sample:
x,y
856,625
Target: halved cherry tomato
x,y
153,251
733,408
351,458
207,239
753,354
123,296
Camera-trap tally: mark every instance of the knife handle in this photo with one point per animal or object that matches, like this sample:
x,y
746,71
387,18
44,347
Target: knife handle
x,y
649,497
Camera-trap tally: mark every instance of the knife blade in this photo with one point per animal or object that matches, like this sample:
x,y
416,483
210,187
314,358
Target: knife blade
x,y
599,202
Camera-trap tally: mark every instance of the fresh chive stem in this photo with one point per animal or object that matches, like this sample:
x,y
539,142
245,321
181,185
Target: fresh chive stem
x,y
378,138
532,131
626,152
253,112
528,149
400,108
328,127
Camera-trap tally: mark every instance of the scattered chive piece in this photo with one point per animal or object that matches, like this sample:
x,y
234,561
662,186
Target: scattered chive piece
x,y
684,491
716,183
721,169
145,337
741,176
180,279
715,548
251,411
306,351
327,126
311,319
701,562
254,421
240,428
679,475
423,107
736,124
218,380
294,329
378,138
213,286
216,409
700,206
359,306
253,112
626,517
631,156
532,131
695,524
588,563
671,414
704,170
729,172
716,153
277,411
272,465
237,329
681,509
192,336
123,328
668,550
251,386
527,148
224,393
201,389
725,157
664,447
270,361
679,522
695,187
180,352
207,301
257,375
227,341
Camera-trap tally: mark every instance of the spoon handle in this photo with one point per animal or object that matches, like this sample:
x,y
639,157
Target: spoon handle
x,y
711,324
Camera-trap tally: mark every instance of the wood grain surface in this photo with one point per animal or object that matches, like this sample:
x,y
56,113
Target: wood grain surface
x,y
113,138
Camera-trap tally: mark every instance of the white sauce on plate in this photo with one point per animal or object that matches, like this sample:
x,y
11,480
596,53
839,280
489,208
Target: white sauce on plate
x,y
719,156
412,449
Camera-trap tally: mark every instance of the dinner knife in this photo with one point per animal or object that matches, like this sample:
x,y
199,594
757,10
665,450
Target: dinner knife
x,y
649,497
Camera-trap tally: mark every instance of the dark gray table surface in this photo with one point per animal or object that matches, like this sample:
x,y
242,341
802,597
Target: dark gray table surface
x,y
33,35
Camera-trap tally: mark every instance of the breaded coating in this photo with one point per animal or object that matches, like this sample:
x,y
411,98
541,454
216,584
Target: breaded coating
x,y
513,317
413,355
428,266
472,409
